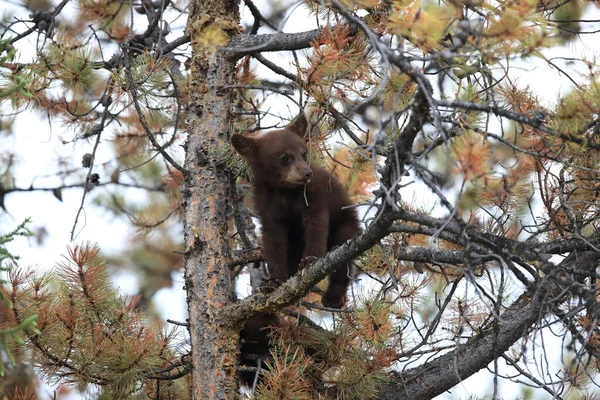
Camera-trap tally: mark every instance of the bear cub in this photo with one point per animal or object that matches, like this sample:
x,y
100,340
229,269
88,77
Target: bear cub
x,y
301,206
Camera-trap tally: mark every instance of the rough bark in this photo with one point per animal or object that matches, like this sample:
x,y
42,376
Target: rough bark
x,y
250,44
206,197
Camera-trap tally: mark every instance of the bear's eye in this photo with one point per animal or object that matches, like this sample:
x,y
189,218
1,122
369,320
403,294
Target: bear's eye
x,y
285,159
304,155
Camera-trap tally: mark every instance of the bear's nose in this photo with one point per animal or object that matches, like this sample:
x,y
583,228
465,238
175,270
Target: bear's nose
x,y
308,175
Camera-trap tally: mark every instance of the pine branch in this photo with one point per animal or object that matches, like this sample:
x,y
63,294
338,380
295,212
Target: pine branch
x,y
250,44
182,366
244,257
258,17
149,134
437,376
76,186
239,46
530,121
400,153
42,20
275,68
88,179
526,250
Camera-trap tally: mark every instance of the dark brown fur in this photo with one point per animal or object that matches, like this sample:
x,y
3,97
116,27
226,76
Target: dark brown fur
x,y
303,215
301,206
255,344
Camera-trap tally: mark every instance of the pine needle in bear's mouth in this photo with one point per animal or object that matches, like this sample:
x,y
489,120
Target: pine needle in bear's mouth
x,y
305,198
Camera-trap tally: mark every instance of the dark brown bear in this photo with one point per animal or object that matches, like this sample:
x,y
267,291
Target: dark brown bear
x,y
302,207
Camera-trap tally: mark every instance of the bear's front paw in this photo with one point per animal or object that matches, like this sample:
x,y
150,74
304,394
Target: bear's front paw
x,y
272,284
306,261
333,299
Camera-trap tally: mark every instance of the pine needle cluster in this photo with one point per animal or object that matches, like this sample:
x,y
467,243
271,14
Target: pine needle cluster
x,y
87,334
355,172
288,377
570,195
12,333
104,14
337,67
576,108
349,361
424,26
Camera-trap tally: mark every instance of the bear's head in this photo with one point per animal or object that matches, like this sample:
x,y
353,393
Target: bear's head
x,y
277,158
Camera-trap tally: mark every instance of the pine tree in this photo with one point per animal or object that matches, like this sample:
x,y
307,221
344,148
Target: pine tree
x,y
479,198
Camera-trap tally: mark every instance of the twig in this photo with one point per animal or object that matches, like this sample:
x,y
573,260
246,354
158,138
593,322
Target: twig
x,y
142,118
91,166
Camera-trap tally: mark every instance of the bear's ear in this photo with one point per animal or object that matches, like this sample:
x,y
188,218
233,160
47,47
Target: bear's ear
x,y
299,126
244,145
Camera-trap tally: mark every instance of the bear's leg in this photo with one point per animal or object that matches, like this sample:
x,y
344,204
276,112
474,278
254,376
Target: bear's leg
x,y
335,295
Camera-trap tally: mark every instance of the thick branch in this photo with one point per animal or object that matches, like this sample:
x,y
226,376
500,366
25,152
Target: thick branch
x,y
527,250
250,44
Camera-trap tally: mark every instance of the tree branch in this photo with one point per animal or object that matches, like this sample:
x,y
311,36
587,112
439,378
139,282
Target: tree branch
x,y
275,68
501,112
437,376
250,44
142,117
243,257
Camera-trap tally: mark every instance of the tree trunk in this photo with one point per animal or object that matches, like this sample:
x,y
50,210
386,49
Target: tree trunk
x,y
206,198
